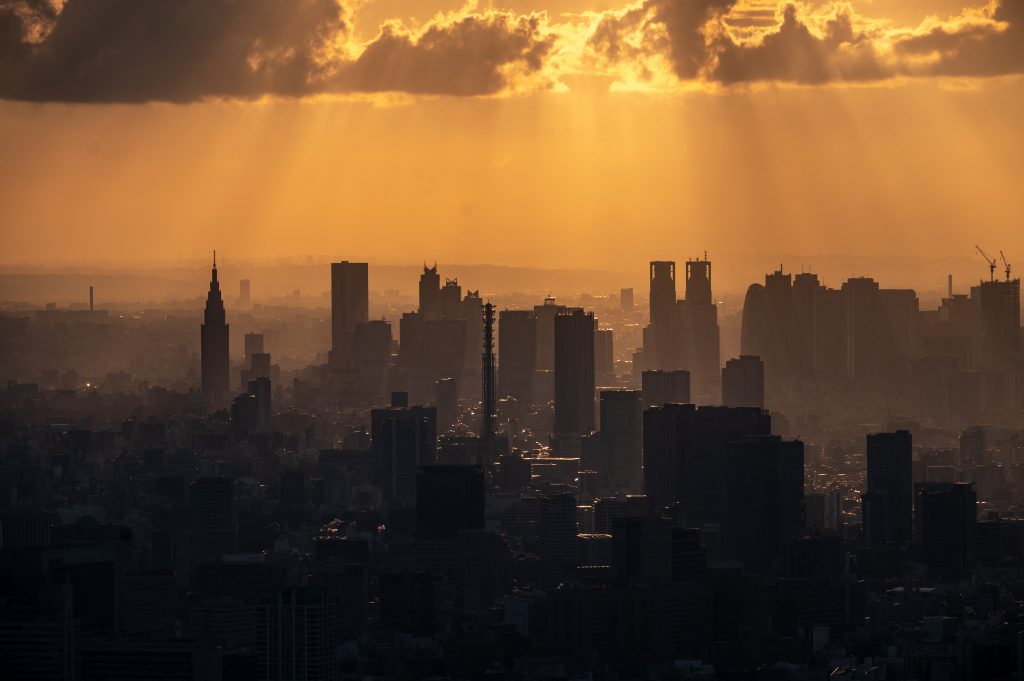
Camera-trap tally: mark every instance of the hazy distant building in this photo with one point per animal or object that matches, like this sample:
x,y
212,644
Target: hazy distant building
x,y
626,300
349,306
665,387
215,358
743,382
446,399
887,505
604,356
574,372
662,291
245,293
517,354
615,452
1000,322
545,315
430,292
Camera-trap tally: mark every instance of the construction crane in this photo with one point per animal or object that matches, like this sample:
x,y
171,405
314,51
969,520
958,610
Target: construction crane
x,y
991,263
1006,265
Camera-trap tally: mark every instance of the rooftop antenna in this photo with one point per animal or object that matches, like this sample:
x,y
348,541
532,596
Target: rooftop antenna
x,y
991,263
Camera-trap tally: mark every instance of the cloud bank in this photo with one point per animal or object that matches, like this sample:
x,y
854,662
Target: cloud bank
x,y
189,50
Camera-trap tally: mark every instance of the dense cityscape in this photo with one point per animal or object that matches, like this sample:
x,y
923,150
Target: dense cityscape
x,y
498,487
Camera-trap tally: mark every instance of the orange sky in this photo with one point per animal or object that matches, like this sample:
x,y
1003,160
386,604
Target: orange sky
x,y
592,133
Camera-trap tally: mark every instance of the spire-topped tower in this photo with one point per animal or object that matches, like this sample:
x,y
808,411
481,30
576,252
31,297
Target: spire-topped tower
x,y
214,343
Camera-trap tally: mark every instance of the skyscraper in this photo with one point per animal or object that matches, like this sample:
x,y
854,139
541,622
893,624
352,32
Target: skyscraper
x,y
403,438
1000,322
743,382
214,511
430,292
215,359
517,353
887,506
349,306
574,372
626,300
663,291
701,316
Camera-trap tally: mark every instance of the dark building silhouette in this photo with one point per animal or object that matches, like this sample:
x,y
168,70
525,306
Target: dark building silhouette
x,y
626,300
946,523
430,292
743,382
662,291
615,452
556,532
604,357
214,512
349,306
446,399
403,439
545,315
702,318
488,403
887,506
574,372
216,381
684,451
449,499
665,387
973,446
642,550
295,630
762,499
517,354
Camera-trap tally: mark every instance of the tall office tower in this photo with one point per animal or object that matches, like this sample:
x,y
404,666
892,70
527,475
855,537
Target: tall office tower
x,y
371,344
403,438
1000,322
683,452
215,359
214,512
253,344
489,416
446,399
604,356
946,526
545,315
614,454
864,346
245,293
260,388
350,301
294,635
763,495
430,292
626,300
449,499
807,292
450,299
973,447
698,282
899,310
556,530
574,372
517,354
472,311
665,387
702,319
743,382
663,291
887,506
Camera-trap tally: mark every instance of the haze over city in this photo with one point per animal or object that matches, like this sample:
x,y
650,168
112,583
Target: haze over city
x,y
582,340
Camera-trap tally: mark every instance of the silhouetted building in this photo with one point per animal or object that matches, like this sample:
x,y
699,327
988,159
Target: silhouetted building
x,y
615,452
349,306
683,455
214,512
556,531
1000,323
517,354
446,400
216,381
887,506
403,439
763,499
574,372
245,293
295,635
743,382
626,300
545,315
946,520
665,387
604,357
449,499
430,292
662,291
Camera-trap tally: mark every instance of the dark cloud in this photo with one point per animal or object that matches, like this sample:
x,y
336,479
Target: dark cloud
x,y
793,53
468,56
676,27
185,50
973,48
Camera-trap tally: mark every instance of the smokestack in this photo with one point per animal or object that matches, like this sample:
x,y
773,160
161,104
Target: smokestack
x,y
90,299
950,286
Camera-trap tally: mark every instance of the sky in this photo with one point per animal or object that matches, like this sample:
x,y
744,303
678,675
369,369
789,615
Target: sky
x,y
544,133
